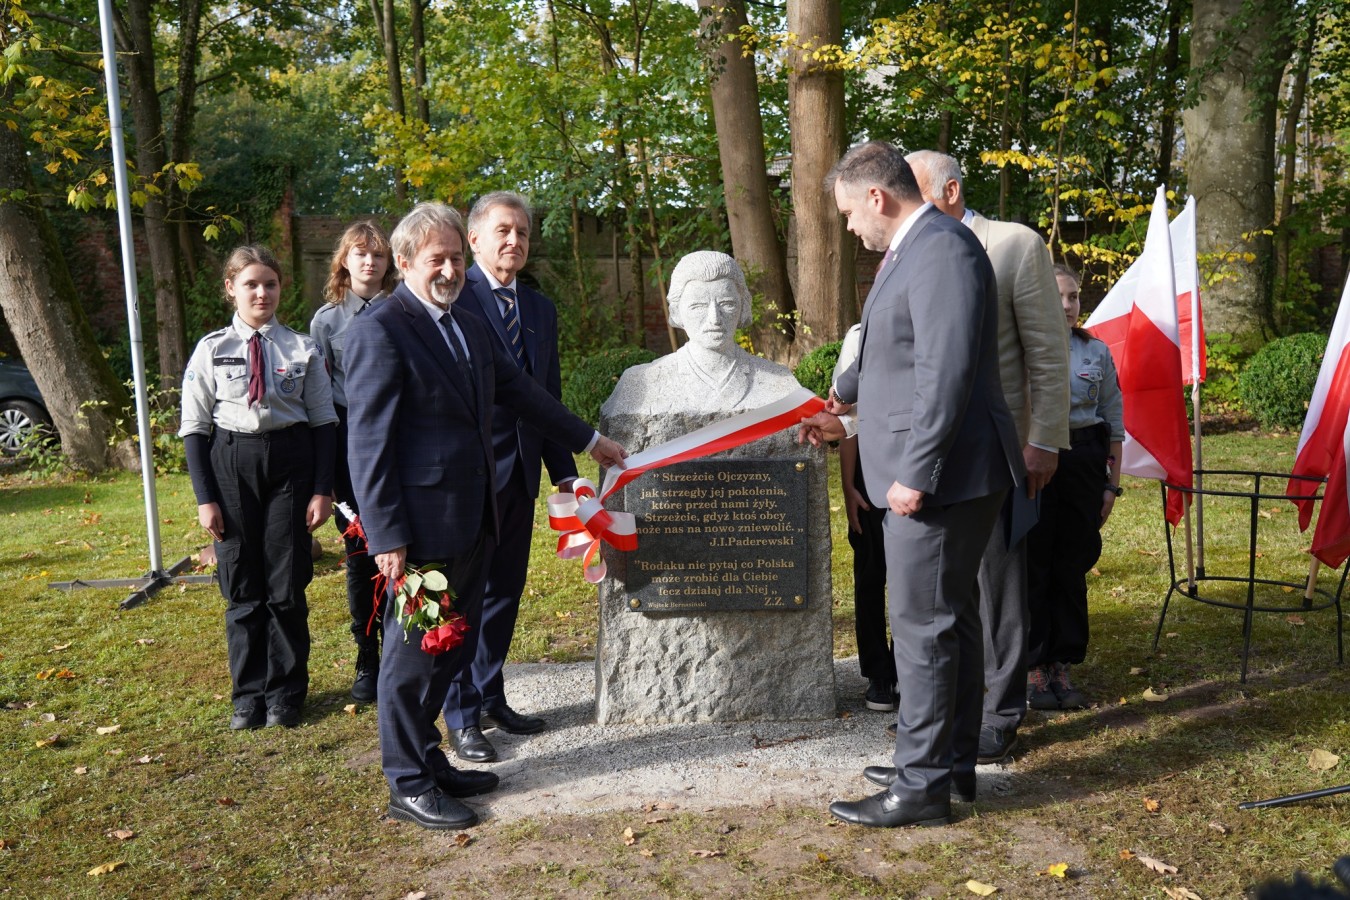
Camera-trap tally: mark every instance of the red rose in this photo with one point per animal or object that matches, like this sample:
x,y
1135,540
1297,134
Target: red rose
x,y
445,637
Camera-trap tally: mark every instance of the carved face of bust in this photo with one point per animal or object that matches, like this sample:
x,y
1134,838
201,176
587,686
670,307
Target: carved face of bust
x,y
709,314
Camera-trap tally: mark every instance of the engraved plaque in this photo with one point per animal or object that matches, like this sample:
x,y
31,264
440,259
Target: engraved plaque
x,y
718,535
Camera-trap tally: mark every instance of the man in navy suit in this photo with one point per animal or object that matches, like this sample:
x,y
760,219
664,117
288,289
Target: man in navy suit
x,y
939,452
421,385
524,324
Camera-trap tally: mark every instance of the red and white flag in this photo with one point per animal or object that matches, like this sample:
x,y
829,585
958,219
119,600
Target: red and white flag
x,y
1142,332
1111,318
1322,446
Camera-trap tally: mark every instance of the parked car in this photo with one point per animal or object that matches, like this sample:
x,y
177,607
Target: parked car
x,y
22,409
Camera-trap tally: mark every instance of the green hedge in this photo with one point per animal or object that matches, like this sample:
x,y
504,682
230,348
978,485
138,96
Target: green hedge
x,y
1277,383
591,381
816,370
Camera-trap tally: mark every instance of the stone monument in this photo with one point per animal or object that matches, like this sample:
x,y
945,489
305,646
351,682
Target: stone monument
x,y
723,613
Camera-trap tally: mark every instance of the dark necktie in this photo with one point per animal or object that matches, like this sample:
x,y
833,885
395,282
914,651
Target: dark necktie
x,y
511,319
257,386
457,351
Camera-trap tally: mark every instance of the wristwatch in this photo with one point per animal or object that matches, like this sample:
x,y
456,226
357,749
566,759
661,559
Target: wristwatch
x,y
1115,489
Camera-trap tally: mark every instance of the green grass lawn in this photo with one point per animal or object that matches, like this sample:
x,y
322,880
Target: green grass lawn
x,y
281,813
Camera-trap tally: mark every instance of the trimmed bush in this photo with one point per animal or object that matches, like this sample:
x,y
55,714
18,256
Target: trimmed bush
x,y
816,370
592,380
1278,381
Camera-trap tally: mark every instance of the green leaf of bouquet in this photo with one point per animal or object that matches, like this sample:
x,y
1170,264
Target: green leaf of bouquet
x,y
435,581
413,584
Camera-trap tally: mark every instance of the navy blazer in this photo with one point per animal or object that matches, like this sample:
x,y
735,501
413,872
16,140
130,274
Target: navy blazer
x,y
931,410
419,438
512,438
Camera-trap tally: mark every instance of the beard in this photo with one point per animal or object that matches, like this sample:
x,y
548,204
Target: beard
x,y
444,290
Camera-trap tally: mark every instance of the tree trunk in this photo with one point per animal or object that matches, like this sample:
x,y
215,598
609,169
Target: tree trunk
x,y
384,24
745,179
826,297
136,36
419,42
1230,156
1171,81
44,314
1288,150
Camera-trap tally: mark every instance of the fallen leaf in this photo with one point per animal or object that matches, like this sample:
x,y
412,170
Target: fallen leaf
x,y
1321,760
415,895
106,868
350,709
6,844
979,888
1295,620
1136,670
1151,805
143,760
1173,634
1057,870
48,717
48,742
1287,589
1095,571
145,642
122,834
1219,827
1157,865
225,801
1153,697
108,729
823,857
1142,552
1123,701
655,820
1180,893
706,854
1265,514
59,647
1127,854
629,838
81,770
463,840
645,852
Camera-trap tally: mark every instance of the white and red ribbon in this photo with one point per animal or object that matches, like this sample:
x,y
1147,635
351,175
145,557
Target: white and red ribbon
x,y
582,517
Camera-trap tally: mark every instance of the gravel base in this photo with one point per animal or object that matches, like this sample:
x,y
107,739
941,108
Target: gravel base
x,y
577,766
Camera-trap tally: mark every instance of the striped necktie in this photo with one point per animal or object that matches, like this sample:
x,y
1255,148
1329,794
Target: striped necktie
x,y
511,319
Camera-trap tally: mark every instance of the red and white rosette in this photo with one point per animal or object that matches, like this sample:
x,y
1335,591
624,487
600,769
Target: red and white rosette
x,y
582,517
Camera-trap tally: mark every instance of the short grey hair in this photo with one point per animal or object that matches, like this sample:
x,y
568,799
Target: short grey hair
x,y
412,231
488,202
707,266
934,170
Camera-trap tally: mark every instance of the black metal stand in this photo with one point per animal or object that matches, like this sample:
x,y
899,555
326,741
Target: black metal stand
x,y
143,588
1318,599
1295,798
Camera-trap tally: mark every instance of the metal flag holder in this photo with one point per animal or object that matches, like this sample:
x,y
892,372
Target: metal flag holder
x,y
158,577
1188,584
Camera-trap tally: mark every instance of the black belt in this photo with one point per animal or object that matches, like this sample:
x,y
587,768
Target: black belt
x,y
1088,433
290,432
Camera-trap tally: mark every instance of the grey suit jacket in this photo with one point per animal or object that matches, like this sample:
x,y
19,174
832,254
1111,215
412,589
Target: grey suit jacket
x,y
1033,342
931,410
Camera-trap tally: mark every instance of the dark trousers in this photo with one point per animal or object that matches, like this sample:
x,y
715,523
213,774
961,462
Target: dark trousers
x,y
1063,546
264,564
931,560
361,568
479,685
1003,610
876,655
413,683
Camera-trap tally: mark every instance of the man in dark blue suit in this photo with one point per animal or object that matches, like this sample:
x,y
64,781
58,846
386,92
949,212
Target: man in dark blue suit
x,y
524,324
420,390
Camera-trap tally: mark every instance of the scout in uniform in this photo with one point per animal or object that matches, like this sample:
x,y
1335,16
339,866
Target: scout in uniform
x,y
360,276
258,427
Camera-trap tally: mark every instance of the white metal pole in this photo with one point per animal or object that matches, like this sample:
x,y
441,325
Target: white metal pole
x,y
129,284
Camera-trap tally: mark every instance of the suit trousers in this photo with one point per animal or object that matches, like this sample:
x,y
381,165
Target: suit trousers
x,y
264,563
1003,609
361,568
413,683
479,685
931,558
876,656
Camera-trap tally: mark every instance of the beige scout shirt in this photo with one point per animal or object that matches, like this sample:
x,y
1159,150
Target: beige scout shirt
x,y
329,328
215,385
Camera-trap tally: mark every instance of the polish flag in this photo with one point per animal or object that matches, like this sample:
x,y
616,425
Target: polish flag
x,y
1141,331
1111,318
1322,448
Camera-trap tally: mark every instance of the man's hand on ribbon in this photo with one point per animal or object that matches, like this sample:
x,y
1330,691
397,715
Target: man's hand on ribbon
x,y
391,564
822,427
608,453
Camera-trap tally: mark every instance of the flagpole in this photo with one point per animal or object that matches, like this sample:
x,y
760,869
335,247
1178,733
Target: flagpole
x,y
1199,497
1310,591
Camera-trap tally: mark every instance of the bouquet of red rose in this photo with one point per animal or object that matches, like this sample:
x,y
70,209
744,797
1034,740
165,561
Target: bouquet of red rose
x,y
424,599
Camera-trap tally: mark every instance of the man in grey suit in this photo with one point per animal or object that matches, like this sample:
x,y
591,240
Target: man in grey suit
x,y
939,451
1033,357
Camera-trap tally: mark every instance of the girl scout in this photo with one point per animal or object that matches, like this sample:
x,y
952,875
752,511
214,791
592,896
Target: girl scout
x,y
258,426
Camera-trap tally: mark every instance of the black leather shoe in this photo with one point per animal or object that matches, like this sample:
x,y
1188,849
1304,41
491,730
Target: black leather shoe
x,y
367,676
995,744
248,719
885,811
283,716
432,810
459,783
963,785
879,696
471,746
510,721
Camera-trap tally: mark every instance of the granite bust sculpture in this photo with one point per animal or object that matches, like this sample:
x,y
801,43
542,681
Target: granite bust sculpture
x,y
708,300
